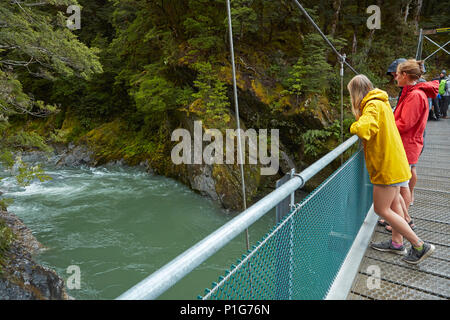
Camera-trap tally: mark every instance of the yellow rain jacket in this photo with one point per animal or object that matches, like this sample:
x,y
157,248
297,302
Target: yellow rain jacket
x,y
385,155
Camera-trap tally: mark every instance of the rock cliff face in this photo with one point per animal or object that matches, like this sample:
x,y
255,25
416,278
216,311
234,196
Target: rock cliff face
x,y
21,278
219,182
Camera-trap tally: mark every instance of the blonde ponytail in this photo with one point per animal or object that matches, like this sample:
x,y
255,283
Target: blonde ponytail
x,y
413,68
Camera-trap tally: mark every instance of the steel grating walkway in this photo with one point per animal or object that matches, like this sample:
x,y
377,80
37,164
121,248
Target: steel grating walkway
x,y
383,276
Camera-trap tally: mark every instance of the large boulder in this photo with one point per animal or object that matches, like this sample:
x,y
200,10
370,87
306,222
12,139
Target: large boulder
x,y
77,155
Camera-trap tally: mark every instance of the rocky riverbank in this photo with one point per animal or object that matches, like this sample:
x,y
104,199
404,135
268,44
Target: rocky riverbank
x,y
21,278
219,182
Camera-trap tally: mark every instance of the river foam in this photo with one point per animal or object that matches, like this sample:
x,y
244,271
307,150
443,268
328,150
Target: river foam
x,y
120,224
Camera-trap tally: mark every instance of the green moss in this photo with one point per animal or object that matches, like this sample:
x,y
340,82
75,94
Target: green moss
x,y
228,183
6,238
71,129
5,202
114,141
44,127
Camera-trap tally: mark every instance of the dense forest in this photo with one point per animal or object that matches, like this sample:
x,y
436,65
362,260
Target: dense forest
x,y
138,69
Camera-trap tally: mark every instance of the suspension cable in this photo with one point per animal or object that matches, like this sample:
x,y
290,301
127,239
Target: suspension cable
x,y
237,118
323,36
342,60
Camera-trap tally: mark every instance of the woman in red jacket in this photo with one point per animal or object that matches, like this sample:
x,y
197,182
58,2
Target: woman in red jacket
x,y
411,115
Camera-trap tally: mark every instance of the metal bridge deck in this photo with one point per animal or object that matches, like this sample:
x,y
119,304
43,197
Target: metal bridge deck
x,y
430,280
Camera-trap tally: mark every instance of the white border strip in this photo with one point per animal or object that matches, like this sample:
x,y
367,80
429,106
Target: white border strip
x,y
343,282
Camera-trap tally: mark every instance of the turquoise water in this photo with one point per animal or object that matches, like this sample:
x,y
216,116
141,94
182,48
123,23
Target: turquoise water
x,y
118,225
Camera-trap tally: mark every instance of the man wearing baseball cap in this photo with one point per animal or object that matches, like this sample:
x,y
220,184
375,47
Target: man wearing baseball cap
x,y
392,71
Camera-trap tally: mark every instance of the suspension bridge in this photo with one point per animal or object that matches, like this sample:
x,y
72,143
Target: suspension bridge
x,y
319,248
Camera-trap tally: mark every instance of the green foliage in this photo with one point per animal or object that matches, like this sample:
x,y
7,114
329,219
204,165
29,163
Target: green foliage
x,y
155,94
23,173
316,68
314,142
162,57
243,18
5,203
14,101
296,80
318,142
38,39
34,40
211,92
116,140
203,28
6,238
310,75
28,140
26,173
7,159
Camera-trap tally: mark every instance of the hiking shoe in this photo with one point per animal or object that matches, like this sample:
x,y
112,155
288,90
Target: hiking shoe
x,y
414,256
386,246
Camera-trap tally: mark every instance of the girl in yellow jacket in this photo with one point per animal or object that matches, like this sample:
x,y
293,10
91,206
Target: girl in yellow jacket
x,y
387,165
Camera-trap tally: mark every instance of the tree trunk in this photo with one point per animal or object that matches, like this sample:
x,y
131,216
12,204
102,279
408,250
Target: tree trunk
x,y
369,43
337,9
417,14
405,18
261,22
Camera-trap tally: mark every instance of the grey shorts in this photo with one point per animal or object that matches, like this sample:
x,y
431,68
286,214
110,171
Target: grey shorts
x,y
404,184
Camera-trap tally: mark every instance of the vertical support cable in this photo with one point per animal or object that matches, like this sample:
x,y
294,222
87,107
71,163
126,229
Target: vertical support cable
x,y
342,61
291,241
237,118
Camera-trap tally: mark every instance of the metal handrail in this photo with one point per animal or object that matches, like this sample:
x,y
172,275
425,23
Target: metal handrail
x,y
164,278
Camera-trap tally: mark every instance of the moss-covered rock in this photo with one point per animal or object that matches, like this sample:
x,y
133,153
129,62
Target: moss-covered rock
x,y
21,278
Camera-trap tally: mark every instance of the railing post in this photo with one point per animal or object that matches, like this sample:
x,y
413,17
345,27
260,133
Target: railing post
x,y
419,45
284,262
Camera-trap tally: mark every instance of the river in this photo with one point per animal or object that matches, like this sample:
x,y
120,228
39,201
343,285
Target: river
x,y
119,224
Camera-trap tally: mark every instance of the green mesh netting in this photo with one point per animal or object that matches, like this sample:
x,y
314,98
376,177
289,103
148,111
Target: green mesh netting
x,y
300,257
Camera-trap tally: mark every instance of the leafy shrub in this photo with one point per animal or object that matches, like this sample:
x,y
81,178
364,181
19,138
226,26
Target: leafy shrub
x,y
6,238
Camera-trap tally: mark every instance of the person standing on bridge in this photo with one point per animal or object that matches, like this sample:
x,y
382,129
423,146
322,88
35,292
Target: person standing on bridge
x,y
411,115
392,71
444,92
387,165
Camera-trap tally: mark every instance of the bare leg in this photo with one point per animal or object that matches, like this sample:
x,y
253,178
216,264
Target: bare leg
x,y
403,205
412,182
383,198
406,195
398,207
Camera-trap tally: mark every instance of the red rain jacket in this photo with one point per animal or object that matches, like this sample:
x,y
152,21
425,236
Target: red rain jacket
x,y
411,116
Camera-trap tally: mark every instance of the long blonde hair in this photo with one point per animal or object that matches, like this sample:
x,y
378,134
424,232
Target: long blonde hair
x,y
358,87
